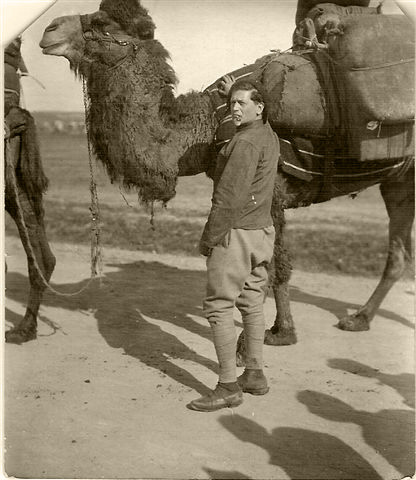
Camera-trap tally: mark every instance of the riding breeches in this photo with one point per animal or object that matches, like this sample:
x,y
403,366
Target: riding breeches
x,y
237,277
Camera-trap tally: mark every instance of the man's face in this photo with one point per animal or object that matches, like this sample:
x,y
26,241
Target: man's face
x,y
243,109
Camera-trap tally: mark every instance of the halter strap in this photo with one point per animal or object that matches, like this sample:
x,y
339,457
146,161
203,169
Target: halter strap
x,y
91,34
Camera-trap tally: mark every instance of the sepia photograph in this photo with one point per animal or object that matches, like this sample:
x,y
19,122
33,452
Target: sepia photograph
x,y
208,240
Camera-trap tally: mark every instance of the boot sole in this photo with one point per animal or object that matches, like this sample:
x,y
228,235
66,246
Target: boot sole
x,y
256,391
192,406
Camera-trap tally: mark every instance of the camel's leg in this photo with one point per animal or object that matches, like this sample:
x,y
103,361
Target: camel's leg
x,y
399,200
26,330
283,330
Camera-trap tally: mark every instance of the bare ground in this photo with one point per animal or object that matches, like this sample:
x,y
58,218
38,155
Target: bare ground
x,y
103,391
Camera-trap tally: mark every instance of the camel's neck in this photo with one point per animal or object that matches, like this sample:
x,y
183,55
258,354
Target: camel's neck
x,y
135,134
191,120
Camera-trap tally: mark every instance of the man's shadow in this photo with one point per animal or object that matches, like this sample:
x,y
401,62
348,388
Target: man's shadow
x,y
301,453
136,291
390,432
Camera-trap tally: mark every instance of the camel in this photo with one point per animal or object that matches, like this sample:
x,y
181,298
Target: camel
x,y
145,137
25,183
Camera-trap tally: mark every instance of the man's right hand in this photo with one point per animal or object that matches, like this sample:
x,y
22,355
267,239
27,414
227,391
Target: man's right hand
x,y
225,84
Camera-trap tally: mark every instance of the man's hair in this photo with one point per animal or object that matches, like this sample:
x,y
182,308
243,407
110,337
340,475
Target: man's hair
x,y
257,94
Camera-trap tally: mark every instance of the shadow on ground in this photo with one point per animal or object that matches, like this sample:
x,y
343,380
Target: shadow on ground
x,y
130,297
137,292
389,432
403,383
301,453
340,309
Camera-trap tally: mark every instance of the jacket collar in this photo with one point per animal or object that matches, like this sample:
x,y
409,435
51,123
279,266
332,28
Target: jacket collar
x,y
251,125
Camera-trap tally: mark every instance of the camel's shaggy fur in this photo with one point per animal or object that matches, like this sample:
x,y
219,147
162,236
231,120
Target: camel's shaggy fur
x,y
131,16
138,146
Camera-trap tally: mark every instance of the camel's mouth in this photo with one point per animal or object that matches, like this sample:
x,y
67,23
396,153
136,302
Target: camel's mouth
x,y
48,49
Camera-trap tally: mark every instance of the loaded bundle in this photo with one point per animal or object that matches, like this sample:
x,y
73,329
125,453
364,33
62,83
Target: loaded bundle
x,y
374,64
294,96
358,90
315,24
305,7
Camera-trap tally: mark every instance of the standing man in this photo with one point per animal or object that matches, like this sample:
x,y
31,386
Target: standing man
x,y
238,242
14,67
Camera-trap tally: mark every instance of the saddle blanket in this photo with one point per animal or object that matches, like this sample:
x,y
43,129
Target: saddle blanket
x,y
299,162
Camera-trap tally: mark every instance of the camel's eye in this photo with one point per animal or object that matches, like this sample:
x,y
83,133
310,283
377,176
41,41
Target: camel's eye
x,y
107,34
100,23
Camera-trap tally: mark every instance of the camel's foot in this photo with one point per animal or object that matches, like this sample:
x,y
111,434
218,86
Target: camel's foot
x,y
276,339
354,323
280,339
20,335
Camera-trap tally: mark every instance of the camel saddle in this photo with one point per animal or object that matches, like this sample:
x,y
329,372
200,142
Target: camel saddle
x,y
359,92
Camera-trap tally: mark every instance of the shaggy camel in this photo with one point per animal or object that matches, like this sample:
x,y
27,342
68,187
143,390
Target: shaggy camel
x,y
140,132
25,182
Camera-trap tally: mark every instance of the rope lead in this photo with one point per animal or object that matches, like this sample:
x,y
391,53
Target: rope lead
x,y
96,255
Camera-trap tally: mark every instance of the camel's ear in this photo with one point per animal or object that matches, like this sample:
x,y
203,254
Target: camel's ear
x,y
131,16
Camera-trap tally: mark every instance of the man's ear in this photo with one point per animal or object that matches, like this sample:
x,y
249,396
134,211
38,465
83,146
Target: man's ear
x,y
260,108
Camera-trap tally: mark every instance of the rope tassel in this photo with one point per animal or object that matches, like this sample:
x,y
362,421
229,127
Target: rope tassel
x,y
96,256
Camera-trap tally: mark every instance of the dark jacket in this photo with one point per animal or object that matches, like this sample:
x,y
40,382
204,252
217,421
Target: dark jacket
x,y
244,178
13,62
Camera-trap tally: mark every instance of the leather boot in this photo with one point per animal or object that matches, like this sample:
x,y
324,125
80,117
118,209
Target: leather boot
x,y
253,381
218,398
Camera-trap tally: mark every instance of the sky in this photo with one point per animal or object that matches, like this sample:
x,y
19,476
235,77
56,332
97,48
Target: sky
x,y
206,39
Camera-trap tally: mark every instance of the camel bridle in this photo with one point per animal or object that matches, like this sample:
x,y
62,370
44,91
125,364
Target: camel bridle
x,y
91,34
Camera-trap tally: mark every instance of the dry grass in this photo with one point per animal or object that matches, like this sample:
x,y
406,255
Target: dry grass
x,y
343,235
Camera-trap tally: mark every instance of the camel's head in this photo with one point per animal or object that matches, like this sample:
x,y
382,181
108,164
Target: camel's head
x,y
104,36
63,38
126,72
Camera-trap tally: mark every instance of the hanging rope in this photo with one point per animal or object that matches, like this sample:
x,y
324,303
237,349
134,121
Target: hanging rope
x,y
10,175
96,255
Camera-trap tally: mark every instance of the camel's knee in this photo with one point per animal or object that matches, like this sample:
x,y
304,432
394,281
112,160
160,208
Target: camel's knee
x,y
49,262
396,261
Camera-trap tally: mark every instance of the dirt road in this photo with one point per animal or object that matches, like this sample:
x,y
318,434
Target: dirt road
x,y
103,391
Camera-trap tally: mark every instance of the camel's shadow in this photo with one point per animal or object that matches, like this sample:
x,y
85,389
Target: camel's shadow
x,y
132,294
390,432
299,452
341,309
403,383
